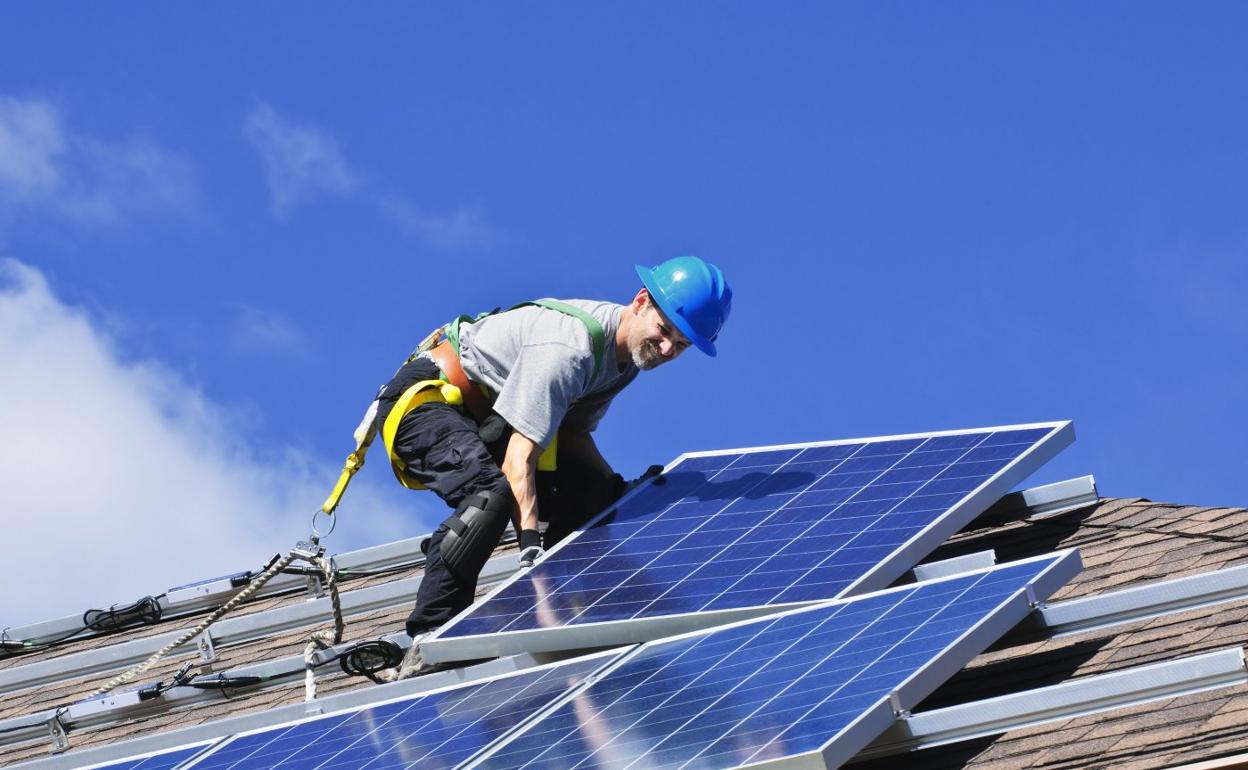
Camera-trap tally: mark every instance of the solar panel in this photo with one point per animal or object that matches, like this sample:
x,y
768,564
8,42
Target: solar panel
x,y
437,729
737,534
809,688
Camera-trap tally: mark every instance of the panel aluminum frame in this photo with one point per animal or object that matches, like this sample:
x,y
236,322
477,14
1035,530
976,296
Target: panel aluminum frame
x,y
438,648
200,746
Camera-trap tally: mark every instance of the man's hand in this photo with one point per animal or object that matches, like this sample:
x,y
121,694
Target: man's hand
x,y
530,547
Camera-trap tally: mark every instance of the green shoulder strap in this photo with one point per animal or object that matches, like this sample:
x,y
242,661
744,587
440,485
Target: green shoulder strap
x,y
597,335
452,329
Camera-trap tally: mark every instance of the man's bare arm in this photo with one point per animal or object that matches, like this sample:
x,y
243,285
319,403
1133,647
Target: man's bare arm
x,y
520,468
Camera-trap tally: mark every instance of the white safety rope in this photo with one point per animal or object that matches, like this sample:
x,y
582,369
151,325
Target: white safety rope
x,y
316,557
323,639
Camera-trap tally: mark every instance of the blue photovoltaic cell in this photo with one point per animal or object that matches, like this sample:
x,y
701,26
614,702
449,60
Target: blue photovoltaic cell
x,y
770,688
437,730
166,761
751,529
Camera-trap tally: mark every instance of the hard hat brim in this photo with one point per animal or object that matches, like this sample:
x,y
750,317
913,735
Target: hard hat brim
x,y
647,280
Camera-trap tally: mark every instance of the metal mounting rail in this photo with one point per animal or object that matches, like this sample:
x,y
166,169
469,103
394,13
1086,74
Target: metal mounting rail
x,y
375,557
1044,501
277,673
230,631
1145,601
1079,697
955,566
216,729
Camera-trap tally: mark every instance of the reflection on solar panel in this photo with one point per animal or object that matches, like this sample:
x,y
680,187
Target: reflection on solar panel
x,y
738,533
816,684
164,761
439,729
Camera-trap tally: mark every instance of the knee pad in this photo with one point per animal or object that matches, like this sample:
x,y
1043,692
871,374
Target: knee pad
x,y
473,532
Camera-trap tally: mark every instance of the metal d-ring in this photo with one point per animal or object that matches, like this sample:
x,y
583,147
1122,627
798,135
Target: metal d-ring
x,y
333,522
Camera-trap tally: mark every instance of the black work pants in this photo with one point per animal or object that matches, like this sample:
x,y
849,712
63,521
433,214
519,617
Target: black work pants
x,y
441,447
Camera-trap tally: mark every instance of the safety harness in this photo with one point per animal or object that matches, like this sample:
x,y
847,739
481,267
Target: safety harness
x,y
452,388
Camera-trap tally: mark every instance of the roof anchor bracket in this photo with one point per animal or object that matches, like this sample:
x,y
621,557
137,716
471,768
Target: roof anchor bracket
x,y
207,651
58,733
894,702
311,551
313,586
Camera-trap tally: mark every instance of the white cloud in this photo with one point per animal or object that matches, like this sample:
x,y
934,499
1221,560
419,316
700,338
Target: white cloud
x,y
301,162
121,478
46,167
264,331
31,143
452,231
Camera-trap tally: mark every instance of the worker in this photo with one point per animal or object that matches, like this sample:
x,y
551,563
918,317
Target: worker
x,y
538,375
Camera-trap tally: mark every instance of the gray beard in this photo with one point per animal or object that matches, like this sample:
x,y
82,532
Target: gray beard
x,y
646,355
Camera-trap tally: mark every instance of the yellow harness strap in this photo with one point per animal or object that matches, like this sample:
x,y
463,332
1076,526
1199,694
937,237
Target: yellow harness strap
x,y
443,392
364,435
423,392
546,460
354,462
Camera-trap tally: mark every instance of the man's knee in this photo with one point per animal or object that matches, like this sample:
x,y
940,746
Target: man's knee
x,y
473,531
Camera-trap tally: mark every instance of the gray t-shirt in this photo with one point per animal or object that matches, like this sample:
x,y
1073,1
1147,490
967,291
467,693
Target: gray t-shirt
x,y
540,362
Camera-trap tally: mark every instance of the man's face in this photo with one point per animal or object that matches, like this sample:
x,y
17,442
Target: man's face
x,y
654,339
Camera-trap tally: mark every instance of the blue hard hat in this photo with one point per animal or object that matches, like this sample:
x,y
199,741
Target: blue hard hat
x,y
693,295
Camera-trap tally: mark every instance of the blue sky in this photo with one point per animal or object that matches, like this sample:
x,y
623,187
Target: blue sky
x,y
226,226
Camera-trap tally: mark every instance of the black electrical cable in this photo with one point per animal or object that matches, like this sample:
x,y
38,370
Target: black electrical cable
x,y
369,657
149,691
223,682
145,611
184,678
13,647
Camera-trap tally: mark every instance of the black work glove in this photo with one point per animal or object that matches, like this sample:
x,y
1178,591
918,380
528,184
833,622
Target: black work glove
x,y
617,487
530,547
653,472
